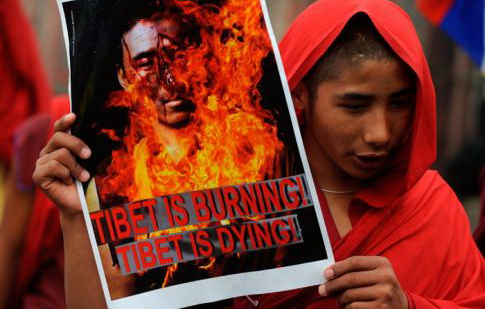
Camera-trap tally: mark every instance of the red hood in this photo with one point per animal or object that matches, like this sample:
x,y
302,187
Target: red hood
x,y
311,35
24,89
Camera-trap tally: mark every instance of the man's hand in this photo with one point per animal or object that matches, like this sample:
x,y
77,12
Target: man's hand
x,y
364,282
57,166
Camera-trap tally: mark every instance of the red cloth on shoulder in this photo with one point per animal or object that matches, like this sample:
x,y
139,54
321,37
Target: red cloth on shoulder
x,y
479,233
24,88
40,275
409,215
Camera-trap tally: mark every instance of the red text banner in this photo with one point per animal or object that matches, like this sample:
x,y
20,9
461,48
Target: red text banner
x,y
193,208
210,242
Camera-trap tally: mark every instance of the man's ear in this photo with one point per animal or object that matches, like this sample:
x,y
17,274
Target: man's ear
x,y
122,78
301,96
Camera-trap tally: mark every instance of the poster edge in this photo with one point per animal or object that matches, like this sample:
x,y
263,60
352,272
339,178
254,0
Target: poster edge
x,y
80,190
155,299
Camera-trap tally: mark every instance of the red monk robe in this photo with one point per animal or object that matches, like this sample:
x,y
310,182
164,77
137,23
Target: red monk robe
x,y
24,92
409,215
39,279
479,233
23,86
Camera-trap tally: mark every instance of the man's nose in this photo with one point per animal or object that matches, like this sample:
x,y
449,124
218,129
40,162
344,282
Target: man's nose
x,y
377,131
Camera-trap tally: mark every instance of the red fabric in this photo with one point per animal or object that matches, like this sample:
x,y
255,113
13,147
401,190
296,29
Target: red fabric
x,y
39,278
411,216
24,89
435,10
29,138
479,233
24,92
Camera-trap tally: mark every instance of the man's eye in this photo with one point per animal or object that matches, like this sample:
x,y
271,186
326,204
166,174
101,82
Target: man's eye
x,y
145,63
354,107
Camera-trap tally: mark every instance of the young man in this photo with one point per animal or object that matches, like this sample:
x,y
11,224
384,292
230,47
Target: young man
x,y
367,110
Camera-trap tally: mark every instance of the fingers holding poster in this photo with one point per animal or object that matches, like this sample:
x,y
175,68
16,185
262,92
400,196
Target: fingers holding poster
x,y
200,181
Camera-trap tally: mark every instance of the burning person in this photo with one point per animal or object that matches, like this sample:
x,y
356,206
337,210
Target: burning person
x,y
195,119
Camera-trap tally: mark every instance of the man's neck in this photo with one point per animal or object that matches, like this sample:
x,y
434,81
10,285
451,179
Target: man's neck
x,y
178,141
337,188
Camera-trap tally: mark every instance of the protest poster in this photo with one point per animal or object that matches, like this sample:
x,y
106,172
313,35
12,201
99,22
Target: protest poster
x,y
200,189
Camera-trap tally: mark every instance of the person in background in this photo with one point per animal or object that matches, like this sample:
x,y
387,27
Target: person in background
x,y
33,265
24,88
31,253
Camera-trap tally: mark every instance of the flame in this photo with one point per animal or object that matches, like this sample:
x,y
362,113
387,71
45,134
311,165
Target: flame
x,y
230,139
169,275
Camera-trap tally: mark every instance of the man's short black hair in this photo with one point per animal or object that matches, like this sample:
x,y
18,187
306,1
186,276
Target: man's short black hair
x,y
358,41
129,12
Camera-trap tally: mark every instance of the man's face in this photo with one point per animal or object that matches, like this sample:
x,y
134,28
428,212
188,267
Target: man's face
x,y
148,49
360,119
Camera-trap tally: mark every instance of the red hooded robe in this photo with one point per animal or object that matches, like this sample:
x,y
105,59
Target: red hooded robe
x,y
409,215
24,88
24,91
479,233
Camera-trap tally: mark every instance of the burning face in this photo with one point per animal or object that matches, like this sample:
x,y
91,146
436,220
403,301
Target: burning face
x,y
149,49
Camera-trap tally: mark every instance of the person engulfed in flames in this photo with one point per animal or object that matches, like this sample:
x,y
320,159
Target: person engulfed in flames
x,y
190,77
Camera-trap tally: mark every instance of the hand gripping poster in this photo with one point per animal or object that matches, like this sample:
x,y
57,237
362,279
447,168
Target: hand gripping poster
x,y
200,189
